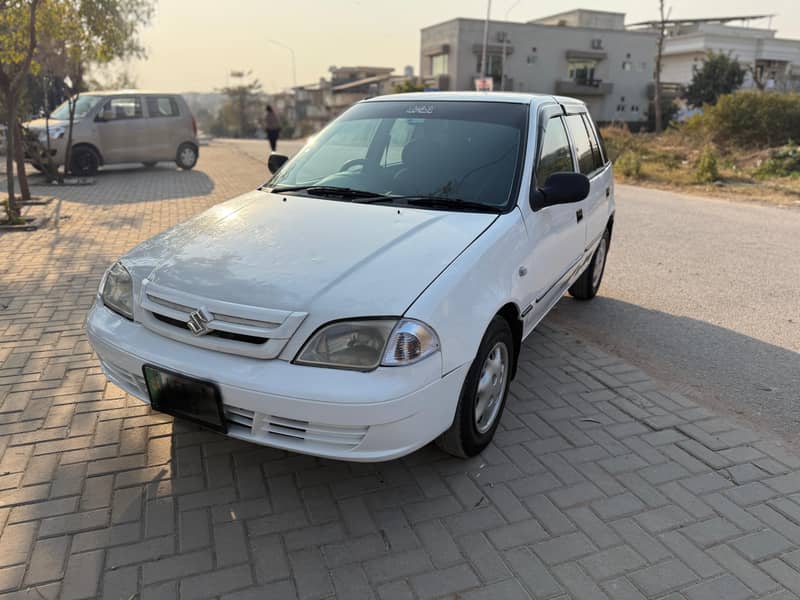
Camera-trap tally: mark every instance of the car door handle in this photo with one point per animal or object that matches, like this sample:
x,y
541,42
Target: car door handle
x,y
608,192
579,214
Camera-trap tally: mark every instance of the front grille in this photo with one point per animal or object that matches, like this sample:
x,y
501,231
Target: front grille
x,y
226,335
233,328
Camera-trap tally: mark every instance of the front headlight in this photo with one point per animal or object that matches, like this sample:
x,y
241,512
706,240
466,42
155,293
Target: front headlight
x,y
55,134
117,291
365,344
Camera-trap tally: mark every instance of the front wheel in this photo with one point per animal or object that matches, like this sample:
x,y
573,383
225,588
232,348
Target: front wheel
x,y
84,162
483,394
186,157
587,285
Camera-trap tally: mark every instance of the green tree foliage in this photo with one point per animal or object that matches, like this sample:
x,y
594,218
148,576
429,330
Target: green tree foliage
x,y
408,85
706,170
719,74
749,119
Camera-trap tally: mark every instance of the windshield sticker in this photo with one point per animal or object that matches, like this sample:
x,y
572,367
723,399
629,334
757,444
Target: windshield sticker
x,y
420,109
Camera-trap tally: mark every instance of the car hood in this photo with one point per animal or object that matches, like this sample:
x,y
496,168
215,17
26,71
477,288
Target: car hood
x,y
298,253
41,124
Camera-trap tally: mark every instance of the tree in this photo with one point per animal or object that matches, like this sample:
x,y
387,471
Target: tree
x,y
240,113
659,52
17,44
409,85
719,74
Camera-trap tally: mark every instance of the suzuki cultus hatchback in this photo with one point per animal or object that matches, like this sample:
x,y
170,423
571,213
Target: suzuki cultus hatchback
x,y
374,294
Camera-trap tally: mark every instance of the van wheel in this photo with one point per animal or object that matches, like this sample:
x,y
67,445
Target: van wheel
x,y
186,157
483,395
586,286
84,161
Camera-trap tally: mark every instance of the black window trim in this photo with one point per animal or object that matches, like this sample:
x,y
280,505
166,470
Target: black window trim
x,y
546,113
596,171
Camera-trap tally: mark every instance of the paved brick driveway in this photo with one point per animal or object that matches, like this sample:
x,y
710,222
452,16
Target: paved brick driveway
x,y
599,484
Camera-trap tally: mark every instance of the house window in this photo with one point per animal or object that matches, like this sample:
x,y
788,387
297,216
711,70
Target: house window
x,y
494,63
581,71
531,59
627,65
439,64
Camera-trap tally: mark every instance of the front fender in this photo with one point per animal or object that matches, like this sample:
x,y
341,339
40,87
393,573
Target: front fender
x,y
463,299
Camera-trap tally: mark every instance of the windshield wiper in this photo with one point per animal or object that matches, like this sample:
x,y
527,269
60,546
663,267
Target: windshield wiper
x,y
439,202
328,190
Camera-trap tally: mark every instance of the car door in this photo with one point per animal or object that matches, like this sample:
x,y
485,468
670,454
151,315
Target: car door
x,y
121,130
163,127
555,233
591,163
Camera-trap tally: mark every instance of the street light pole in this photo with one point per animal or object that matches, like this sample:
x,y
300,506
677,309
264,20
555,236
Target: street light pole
x,y
294,69
505,43
485,37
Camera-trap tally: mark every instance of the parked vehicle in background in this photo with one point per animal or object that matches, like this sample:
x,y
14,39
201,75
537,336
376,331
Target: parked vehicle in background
x,y
118,127
375,293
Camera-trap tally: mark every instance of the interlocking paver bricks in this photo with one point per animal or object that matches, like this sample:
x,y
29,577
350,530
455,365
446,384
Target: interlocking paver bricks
x,y
600,483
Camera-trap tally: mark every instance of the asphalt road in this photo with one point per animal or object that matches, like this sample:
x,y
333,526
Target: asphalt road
x,y
705,295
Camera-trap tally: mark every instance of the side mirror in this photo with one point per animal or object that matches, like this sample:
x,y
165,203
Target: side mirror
x,y
275,161
561,188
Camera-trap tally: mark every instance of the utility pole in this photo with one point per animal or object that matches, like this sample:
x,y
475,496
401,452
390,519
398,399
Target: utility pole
x,y
660,49
294,69
484,70
505,44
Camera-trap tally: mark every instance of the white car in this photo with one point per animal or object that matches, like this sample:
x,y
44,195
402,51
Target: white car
x,y
374,294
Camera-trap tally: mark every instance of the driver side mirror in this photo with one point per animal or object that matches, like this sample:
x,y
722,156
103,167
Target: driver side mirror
x,y
275,161
561,188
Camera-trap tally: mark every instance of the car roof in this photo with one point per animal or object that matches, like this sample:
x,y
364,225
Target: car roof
x,y
507,97
128,93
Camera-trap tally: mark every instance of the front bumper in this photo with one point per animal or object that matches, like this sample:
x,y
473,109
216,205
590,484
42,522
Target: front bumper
x,y
348,415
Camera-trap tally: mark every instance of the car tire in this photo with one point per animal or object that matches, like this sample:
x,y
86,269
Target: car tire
x,y
150,164
483,395
587,285
84,162
186,156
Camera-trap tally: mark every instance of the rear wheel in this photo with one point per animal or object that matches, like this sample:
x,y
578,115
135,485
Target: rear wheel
x,y
483,394
84,161
587,285
186,157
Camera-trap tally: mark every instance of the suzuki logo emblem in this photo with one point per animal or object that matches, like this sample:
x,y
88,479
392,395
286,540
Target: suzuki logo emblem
x,y
199,320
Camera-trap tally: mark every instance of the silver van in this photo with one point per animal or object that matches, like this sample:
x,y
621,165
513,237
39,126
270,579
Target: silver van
x,y
118,127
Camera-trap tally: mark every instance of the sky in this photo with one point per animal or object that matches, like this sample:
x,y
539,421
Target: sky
x,y
192,45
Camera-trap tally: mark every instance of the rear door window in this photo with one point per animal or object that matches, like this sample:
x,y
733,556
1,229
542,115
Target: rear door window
x,y
554,155
162,106
597,142
123,107
588,157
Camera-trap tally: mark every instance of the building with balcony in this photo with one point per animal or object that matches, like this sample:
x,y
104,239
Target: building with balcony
x,y
772,63
587,54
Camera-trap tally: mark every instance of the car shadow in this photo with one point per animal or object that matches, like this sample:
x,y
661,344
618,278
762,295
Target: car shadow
x,y
723,369
122,184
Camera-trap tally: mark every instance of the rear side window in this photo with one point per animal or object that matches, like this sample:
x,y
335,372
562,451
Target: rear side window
x,y
598,146
162,106
554,155
583,147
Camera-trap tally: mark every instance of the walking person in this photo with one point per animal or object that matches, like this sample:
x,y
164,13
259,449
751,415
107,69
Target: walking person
x,y
273,126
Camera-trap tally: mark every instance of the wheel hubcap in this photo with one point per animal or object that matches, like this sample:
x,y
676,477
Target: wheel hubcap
x,y
599,263
187,156
491,386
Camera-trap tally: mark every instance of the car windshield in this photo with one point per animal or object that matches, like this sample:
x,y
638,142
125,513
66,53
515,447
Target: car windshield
x,y
82,107
466,151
